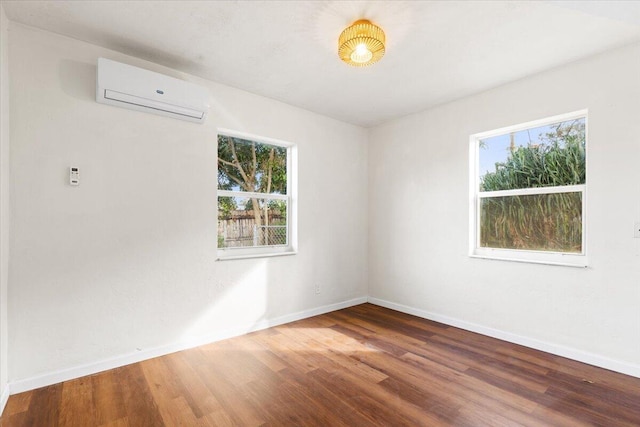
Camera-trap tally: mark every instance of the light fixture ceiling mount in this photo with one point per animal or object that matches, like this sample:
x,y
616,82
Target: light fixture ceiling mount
x,y
361,44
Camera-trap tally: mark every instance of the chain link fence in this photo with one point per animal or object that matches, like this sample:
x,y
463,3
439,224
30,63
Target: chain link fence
x,y
269,235
245,233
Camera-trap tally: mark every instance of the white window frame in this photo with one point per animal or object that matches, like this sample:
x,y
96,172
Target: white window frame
x,y
475,197
291,197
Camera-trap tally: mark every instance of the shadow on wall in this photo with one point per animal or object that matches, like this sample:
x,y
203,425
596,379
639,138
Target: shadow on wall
x,y
78,79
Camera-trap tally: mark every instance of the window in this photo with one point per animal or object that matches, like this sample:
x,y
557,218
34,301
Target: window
x,y
256,196
528,188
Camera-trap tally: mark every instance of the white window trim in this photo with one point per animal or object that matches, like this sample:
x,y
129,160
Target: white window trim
x,y
291,248
518,255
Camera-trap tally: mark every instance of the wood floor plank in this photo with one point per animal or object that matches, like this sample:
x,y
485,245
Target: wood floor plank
x,y
286,401
168,393
219,419
366,401
258,350
427,399
238,366
14,420
291,352
471,352
196,394
76,403
44,408
18,403
140,407
361,366
334,346
107,399
409,344
236,405
119,422
325,400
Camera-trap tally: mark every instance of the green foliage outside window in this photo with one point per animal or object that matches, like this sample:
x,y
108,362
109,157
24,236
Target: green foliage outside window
x,y
251,166
545,222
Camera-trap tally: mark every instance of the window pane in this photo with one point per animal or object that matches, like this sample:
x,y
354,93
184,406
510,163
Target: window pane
x,y
540,222
245,165
249,222
546,156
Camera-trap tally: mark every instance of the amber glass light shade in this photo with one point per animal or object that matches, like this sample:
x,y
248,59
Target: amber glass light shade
x,y
361,44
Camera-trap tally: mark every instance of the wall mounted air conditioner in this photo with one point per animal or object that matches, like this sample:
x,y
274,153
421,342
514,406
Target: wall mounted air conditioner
x,y
130,87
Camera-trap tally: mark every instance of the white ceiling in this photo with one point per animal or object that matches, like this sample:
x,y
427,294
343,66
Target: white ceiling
x,y
437,51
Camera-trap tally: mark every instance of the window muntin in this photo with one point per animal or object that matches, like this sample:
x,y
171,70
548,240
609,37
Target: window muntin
x,y
255,186
528,191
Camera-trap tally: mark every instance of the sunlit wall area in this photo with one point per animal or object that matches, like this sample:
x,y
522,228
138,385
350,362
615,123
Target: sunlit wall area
x,y
126,262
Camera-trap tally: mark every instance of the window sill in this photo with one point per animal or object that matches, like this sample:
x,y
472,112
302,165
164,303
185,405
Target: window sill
x,y
578,264
254,255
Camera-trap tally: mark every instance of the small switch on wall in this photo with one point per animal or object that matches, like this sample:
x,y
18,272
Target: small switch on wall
x,y
636,230
74,176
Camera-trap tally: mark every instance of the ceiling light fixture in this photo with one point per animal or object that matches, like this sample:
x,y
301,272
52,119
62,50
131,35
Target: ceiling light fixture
x,y
361,44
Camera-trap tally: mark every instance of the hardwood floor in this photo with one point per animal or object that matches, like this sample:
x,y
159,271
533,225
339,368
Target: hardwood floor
x,y
362,366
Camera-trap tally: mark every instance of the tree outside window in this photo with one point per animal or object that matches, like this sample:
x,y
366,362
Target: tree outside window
x,y
253,199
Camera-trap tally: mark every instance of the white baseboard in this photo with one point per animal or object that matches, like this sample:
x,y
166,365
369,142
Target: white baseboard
x,y
4,397
114,362
557,349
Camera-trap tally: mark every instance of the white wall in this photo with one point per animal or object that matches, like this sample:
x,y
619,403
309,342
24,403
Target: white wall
x,y
126,261
418,204
4,199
